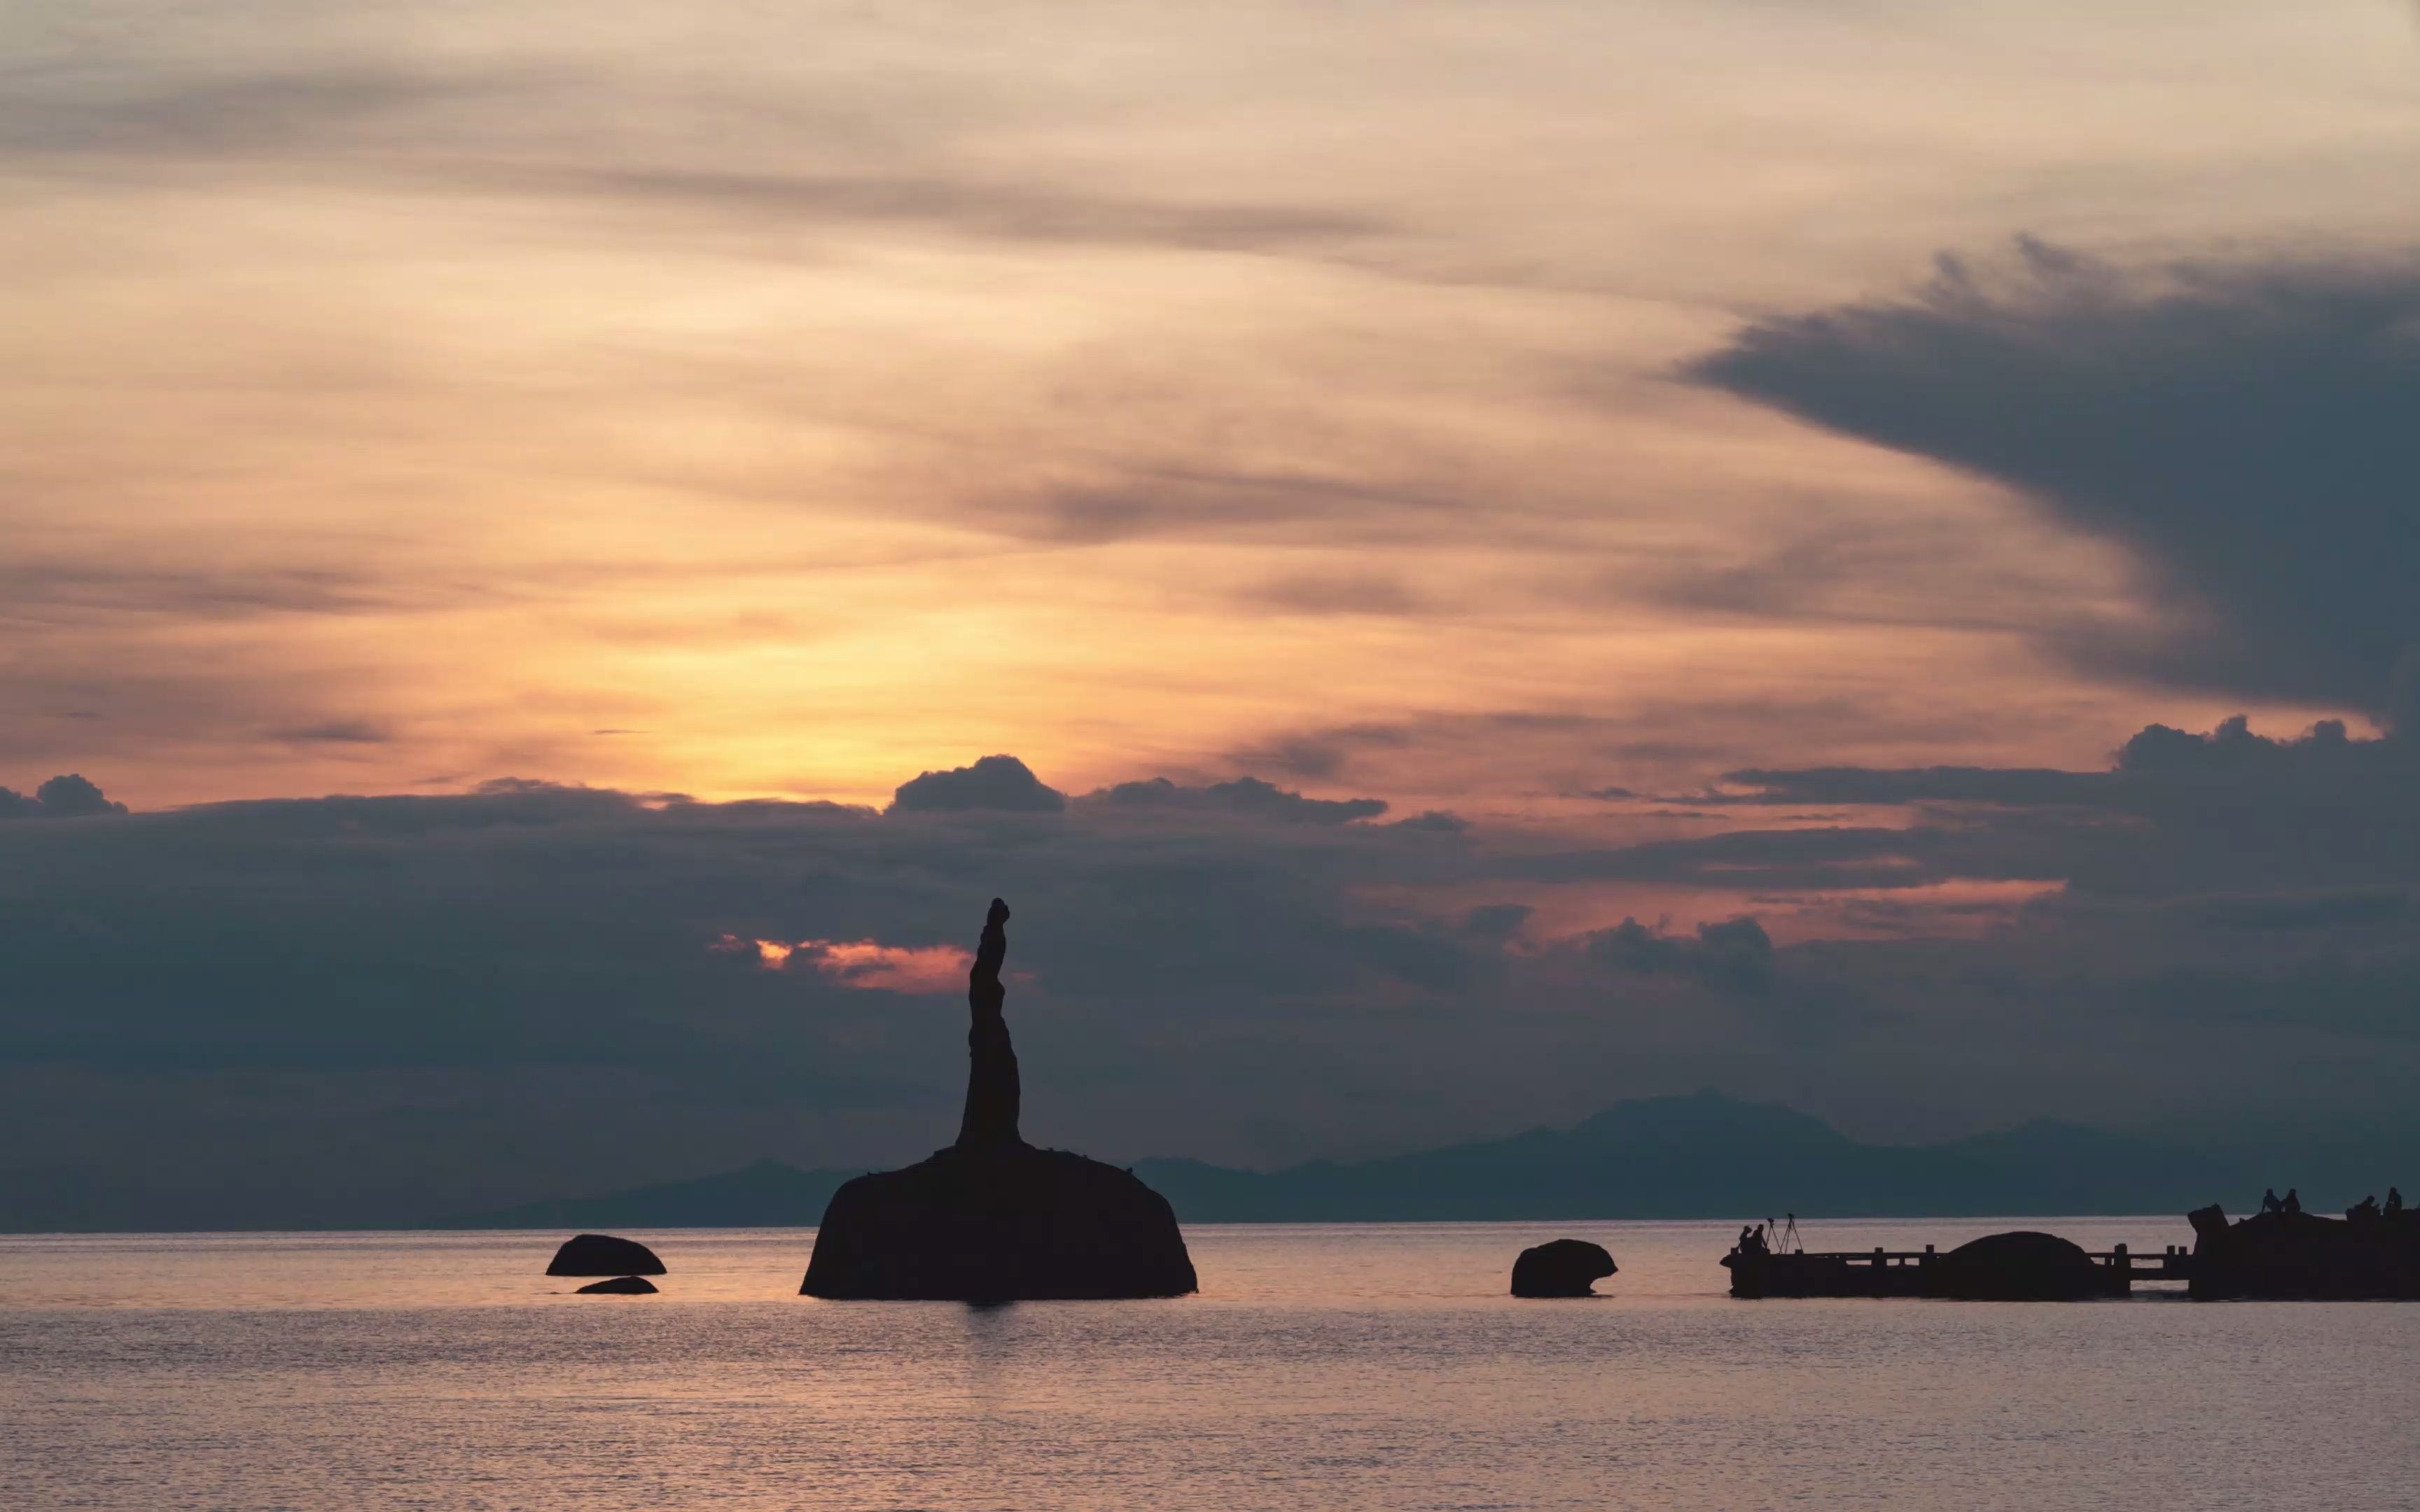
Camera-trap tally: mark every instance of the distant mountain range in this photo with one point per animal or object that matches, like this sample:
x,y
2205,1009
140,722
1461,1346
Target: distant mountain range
x,y
1707,1156
767,1195
1700,1156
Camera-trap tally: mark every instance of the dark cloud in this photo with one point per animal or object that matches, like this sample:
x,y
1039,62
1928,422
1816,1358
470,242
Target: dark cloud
x,y
1925,784
1497,921
1735,954
350,950
66,796
2243,429
1244,795
2230,778
2176,814
453,989
999,783
2325,910
1803,860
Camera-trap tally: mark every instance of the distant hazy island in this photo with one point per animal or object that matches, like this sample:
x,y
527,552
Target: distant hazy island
x,y
1698,1156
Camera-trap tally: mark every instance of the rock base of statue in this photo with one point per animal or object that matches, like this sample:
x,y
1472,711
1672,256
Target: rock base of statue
x,y
1006,1224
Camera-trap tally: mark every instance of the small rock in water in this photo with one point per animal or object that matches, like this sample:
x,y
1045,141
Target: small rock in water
x,y
1560,1268
604,1254
621,1286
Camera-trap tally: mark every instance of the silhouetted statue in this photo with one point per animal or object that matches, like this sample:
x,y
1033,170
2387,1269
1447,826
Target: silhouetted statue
x,y
992,1091
991,1218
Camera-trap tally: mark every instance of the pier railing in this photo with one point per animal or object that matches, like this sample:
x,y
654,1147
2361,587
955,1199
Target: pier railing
x,y
2174,1263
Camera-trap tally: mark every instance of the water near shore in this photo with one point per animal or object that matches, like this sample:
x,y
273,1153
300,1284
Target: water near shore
x,y
1344,1366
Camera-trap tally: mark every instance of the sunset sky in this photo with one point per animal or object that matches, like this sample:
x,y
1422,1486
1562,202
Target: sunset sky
x,y
1680,463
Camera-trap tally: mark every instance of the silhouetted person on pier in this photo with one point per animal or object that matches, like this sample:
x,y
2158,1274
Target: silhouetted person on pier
x,y
992,1091
2269,1202
2393,1199
2293,1202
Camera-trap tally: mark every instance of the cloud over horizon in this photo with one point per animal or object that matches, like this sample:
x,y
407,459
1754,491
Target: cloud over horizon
x,y
68,796
2225,911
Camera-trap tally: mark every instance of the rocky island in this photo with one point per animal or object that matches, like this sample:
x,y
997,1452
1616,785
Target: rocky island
x,y
991,1218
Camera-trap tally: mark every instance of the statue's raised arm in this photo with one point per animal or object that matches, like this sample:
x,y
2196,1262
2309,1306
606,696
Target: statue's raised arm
x,y
992,1091
984,994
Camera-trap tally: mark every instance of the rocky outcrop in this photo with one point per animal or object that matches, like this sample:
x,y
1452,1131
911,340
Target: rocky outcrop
x,y
604,1254
2022,1266
1560,1268
999,1225
991,1218
621,1286
2301,1256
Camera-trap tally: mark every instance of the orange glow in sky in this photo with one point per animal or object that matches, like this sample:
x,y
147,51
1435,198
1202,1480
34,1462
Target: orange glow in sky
x,y
485,400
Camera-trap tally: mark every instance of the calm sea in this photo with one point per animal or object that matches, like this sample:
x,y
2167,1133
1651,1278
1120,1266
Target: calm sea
x,y
1323,1367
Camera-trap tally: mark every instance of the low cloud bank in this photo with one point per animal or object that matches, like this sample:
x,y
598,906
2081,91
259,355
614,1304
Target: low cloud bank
x,y
454,988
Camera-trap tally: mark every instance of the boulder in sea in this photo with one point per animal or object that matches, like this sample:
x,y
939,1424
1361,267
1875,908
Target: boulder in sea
x,y
2024,1266
621,1286
604,1254
991,1218
1560,1268
1000,1226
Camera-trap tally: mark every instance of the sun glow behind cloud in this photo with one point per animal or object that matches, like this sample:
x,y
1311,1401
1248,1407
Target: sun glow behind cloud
x,y
868,966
